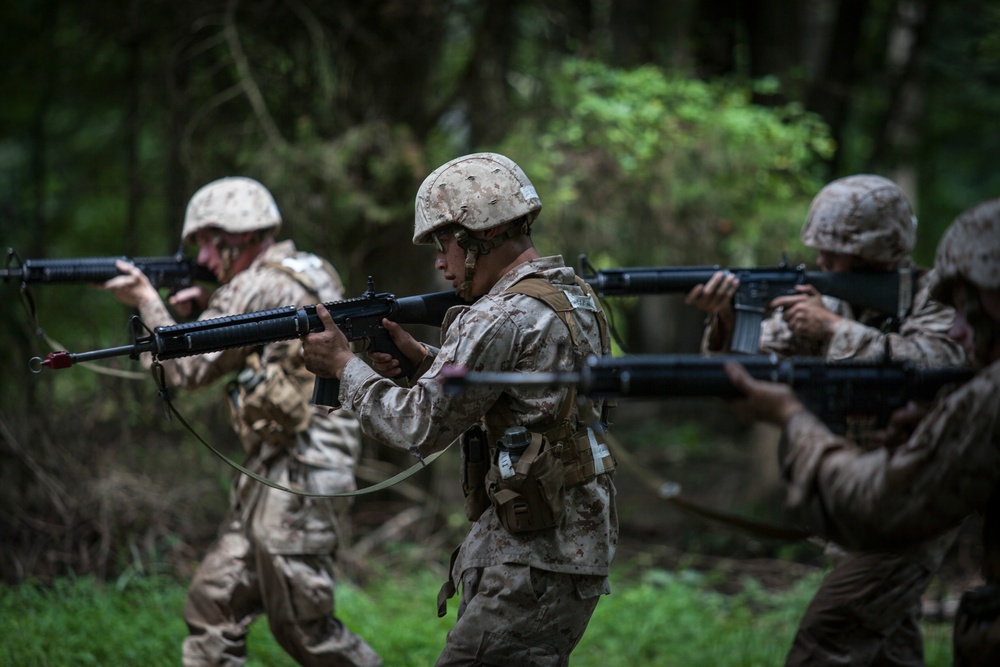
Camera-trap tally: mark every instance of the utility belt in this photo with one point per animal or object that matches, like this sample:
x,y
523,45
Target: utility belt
x,y
524,474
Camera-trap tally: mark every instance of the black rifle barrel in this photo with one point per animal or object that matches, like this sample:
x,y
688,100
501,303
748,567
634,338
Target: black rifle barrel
x,y
174,271
886,291
691,375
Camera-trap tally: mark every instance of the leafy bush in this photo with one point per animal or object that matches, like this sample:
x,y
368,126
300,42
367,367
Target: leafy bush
x,y
668,169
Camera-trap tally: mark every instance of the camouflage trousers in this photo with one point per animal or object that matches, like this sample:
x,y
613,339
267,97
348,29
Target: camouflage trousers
x,y
237,581
867,612
517,615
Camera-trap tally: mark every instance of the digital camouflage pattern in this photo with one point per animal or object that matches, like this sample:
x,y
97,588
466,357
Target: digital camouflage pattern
x,y
920,337
478,192
504,331
949,467
499,332
884,499
233,204
275,551
863,215
970,248
868,607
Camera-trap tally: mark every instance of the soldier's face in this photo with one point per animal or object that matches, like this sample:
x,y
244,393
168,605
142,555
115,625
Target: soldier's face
x,y
219,252
964,332
838,262
450,258
834,262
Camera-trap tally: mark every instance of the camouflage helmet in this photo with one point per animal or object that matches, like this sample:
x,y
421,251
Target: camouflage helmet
x,y
970,251
866,216
233,204
478,192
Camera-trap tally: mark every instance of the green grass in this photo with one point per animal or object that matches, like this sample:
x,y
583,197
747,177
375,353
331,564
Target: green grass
x,y
653,617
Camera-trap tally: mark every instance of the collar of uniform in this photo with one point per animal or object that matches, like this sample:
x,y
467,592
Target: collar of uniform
x,y
532,267
278,251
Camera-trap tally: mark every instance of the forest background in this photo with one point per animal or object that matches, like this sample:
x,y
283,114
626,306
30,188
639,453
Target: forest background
x,y
656,133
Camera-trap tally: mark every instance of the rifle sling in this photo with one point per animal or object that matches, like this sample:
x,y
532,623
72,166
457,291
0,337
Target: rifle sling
x,y
385,484
671,492
55,346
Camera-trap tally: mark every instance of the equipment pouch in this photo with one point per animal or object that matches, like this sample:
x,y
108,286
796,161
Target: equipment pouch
x,y
532,498
270,402
589,457
475,463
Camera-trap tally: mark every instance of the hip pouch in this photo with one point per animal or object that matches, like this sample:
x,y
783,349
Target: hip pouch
x,y
528,495
586,456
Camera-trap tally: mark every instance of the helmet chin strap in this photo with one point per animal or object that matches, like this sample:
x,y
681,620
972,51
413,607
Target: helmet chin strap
x,y
465,287
474,247
229,253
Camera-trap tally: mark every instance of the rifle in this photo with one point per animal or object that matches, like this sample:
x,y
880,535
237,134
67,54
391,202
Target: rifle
x,y
846,395
360,318
173,272
889,292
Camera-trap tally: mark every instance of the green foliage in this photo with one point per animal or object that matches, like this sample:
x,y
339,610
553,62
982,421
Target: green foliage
x,y
81,622
664,168
652,617
963,63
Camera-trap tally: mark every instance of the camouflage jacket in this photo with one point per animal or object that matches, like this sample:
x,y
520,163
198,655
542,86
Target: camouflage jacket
x,y
502,331
921,336
886,498
280,276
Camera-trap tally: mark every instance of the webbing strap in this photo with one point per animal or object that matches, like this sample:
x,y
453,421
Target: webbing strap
x,y
55,346
559,302
385,484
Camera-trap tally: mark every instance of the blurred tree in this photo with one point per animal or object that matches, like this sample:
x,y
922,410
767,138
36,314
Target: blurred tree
x,y
687,131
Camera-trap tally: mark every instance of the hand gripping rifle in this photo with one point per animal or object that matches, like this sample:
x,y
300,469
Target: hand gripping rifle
x,y
844,394
173,272
360,318
890,292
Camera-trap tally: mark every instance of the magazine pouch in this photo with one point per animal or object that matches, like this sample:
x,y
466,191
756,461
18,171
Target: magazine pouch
x,y
528,495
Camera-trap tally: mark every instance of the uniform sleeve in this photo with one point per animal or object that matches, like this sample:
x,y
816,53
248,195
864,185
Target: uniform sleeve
x,y
922,337
775,338
424,418
891,498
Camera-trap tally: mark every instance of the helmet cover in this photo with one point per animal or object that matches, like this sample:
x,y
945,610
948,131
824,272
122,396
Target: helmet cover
x,y
970,251
478,191
864,215
233,204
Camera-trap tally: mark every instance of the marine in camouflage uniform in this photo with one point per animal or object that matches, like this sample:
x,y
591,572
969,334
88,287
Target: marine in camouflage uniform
x,y
529,580
945,461
275,551
868,608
